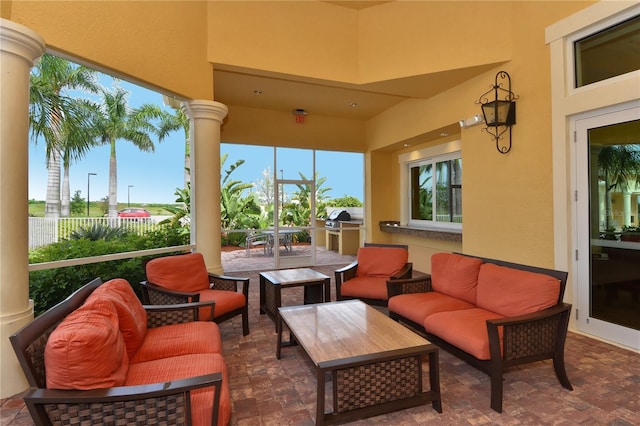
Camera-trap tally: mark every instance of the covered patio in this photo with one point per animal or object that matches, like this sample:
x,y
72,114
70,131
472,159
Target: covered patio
x,y
267,391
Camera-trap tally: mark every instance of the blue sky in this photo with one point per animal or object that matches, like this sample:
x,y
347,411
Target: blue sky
x,y
155,176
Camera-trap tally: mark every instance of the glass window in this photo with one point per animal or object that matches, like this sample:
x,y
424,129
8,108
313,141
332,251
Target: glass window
x,y
608,53
442,177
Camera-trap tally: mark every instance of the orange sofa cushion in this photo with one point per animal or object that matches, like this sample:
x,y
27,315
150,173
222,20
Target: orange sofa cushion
x,y
226,301
455,275
199,337
132,316
87,350
465,329
416,307
381,262
186,272
511,292
187,366
365,287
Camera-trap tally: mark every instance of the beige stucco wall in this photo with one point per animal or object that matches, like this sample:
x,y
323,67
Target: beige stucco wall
x,y
161,44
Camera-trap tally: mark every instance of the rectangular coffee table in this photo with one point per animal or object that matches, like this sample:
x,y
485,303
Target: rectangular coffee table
x,y
375,363
317,288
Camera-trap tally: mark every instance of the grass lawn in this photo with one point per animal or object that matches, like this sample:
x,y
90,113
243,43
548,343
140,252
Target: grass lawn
x,y
36,209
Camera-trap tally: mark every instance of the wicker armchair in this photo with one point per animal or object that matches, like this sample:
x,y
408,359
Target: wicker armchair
x,y
184,278
364,293
166,403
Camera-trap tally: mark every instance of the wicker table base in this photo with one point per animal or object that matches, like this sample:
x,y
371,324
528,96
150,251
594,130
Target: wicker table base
x,y
375,363
316,288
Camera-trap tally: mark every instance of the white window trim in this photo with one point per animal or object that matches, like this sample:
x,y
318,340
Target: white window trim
x,y
442,152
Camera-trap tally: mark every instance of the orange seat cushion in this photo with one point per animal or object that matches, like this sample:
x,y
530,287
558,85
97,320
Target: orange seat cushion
x,y
511,292
365,287
466,329
187,366
186,272
381,262
416,307
87,350
132,317
455,275
198,337
226,301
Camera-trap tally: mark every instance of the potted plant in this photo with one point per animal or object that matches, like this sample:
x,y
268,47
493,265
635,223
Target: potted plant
x,y
630,233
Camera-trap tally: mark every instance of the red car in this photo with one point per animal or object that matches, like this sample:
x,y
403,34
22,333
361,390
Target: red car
x,y
133,212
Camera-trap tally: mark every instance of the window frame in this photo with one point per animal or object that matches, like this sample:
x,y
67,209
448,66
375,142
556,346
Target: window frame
x,y
570,54
440,153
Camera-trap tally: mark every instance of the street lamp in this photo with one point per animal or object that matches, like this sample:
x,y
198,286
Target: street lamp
x,y
129,195
88,189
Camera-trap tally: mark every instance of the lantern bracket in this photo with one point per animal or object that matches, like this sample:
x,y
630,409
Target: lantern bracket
x,y
499,111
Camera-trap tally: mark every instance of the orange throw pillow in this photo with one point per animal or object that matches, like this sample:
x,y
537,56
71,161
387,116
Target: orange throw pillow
x,y
132,316
87,351
455,275
381,262
186,272
511,292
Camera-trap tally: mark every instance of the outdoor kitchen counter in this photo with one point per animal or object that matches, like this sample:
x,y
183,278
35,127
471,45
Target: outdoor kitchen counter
x,y
345,238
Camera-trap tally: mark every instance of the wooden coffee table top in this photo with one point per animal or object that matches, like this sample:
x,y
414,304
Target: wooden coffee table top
x,y
348,330
293,276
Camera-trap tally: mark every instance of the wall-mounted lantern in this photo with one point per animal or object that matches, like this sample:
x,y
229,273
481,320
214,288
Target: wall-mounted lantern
x,y
500,112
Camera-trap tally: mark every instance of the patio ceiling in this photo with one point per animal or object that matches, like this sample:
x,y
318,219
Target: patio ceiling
x,y
236,86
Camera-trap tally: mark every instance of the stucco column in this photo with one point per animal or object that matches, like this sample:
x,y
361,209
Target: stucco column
x,y
19,48
206,119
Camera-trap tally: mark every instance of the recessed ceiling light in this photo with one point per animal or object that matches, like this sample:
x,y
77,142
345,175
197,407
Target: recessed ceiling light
x,y
444,134
257,92
353,105
406,145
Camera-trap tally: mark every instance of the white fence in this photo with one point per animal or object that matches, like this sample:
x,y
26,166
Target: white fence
x,y
44,231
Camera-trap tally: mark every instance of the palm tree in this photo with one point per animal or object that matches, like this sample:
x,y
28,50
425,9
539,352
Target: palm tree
x,y
51,112
619,168
171,123
117,121
236,210
75,145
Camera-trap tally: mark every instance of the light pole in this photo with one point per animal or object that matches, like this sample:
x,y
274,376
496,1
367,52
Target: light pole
x,y
88,189
129,195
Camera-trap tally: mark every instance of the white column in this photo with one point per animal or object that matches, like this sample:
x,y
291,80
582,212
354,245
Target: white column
x,y
626,207
19,48
206,118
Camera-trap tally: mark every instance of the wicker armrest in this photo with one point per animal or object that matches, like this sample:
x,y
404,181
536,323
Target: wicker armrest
x,y
159,315
405,273
159,403
408,286
347,272
154,294
224,282
536,335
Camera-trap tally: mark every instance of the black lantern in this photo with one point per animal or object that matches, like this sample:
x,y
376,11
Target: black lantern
x,y
500,112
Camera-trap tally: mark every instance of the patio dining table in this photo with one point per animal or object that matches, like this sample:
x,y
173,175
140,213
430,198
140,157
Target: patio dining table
x,y
285,238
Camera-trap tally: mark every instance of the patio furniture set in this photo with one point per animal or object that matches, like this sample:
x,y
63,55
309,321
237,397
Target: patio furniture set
x,y
492,314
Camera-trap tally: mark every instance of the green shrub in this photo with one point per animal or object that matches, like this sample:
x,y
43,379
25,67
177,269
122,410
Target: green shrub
x,y
49,287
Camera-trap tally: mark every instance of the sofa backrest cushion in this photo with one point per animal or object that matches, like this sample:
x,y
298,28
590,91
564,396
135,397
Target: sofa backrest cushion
x,y
186,272
132,316
87,350
511,292
455,275
381,262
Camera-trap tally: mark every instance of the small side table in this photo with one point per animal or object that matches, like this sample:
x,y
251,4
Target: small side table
x,y
317,288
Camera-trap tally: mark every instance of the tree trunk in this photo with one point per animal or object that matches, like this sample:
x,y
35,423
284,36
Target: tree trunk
x,y
66,196
113,182
52,203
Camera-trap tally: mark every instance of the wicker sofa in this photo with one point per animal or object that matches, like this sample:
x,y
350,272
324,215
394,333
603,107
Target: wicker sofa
x,y
490,313
101,357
